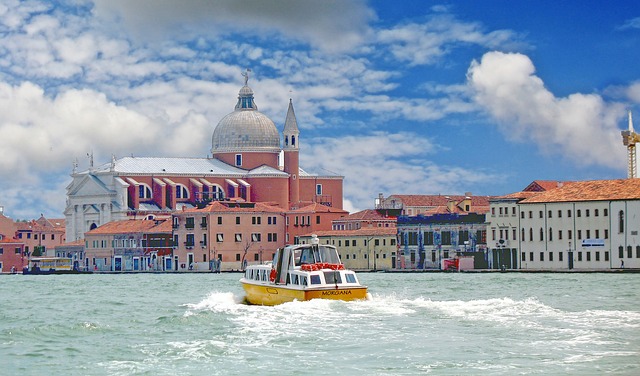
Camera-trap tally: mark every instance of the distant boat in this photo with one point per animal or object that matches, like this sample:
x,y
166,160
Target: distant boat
x,y
52,265
302,272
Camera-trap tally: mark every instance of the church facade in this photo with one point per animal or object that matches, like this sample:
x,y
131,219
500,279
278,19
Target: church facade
x,y
251,161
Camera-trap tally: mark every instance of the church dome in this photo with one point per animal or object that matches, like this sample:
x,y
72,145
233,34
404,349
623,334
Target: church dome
x,y
246,128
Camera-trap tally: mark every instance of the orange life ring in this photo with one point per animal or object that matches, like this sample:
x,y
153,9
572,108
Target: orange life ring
x,y
272,275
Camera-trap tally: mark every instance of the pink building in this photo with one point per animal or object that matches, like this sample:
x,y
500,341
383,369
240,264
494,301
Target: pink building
x,y
245,167
41,236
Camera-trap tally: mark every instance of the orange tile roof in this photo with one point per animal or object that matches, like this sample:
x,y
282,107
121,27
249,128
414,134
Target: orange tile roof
x,y
518,195
132,226
367,215
439,200
544,185
368,231
594,190
318,208
217,207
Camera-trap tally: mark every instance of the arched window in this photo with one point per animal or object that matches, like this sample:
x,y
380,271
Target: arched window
x,y
550,237
181,191
286,140
620,221
144,191
541,234
530,234
293,140
93,226
522,235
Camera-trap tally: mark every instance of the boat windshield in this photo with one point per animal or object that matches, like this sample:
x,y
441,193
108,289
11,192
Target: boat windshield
x,y
328,255
310,255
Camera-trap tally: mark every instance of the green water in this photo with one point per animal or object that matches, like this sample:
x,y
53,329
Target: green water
x,y
440,323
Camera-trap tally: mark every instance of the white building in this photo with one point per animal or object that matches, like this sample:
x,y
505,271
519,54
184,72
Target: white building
x,y
503,225
589,225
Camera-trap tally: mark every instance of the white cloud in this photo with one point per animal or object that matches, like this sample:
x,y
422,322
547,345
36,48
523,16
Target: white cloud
x,y
633,23
330,25
426,43
580,127
633,92
388,163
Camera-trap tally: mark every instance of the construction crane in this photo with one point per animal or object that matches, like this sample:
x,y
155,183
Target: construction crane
x,y
629,139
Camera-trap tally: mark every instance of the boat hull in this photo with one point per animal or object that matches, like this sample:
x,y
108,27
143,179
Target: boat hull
x,y
269,295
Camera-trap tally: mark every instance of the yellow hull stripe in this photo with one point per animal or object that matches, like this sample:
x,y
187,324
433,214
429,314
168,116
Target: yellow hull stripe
x,y
273,294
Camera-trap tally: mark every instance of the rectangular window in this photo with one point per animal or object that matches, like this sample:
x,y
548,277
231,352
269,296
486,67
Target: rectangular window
x,y
570,234
588,256
586,213
579,213
189,223
238,238
237,257
550,256
569,213
522,215
219,220
579,255
560,256
219,238
513,211
524,256
317,219
541,256
559,213
559,234
238,159
256,237
237,220
606,253
596,212
549,213
540,214
606,233
588,234
597,234
597,256
579,234
318,189
530,214
530,256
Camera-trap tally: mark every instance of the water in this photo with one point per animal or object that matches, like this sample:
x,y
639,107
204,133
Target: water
x,y
437,323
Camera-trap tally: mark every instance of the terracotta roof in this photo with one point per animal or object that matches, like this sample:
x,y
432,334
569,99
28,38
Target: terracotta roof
x,y
439,200
42,224
544,185
517,195
367,215
368,231
132,226
318,208
594,190
218,207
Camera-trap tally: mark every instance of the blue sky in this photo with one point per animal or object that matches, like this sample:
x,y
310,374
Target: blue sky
x,y
399,97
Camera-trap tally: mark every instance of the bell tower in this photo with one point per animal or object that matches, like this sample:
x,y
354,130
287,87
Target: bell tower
x,y
291,150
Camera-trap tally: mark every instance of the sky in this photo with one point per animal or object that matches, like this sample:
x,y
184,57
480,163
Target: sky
x,y
399,97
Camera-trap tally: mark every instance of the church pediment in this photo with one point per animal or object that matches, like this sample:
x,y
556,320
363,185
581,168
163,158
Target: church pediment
x,y
88,185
